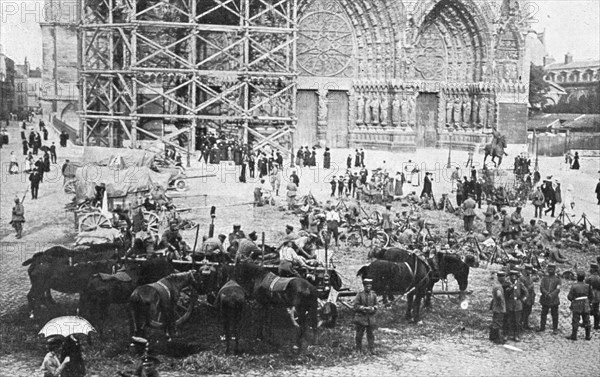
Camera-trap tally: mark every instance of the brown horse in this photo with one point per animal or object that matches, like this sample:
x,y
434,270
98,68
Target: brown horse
x,y
148,300
411,278
231,301
270,290
102,290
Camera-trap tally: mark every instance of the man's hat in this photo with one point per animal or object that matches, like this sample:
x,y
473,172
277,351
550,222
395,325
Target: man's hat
x,y
367,281
501,273
236,226
528,266
515,272
485,233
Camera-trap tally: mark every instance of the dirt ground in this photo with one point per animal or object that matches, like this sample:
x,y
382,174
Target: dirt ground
x,y
450,341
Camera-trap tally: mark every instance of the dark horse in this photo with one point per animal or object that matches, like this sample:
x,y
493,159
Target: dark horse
x,y
270,290
65,270
102,290
411,278
496,149
231,301
446,264
148,300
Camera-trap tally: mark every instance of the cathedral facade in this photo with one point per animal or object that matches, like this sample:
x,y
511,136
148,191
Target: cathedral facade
x,y
397,75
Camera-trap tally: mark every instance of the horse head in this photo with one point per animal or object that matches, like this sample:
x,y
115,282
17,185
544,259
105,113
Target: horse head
x,y
453,265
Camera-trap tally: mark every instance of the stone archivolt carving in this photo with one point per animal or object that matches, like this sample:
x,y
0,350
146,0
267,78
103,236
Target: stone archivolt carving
x,y
430,56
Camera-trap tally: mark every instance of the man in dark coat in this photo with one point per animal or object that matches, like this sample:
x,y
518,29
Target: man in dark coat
x,y
550,198
478,190
527,282
580,296
515,293
45,132
550,289
40,168
25,147
365,307
327,159
594,281
53,153
427,189
349,161
35,179
357,159
469,213
295,179
362,157
598,192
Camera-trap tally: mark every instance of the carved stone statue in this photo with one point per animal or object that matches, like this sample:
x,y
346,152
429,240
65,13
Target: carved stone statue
x,y
449,103
368,111
456,111
490,113
396,111
412,111
384,110
466,110
483,112
360,109
375,109
322,111
404,110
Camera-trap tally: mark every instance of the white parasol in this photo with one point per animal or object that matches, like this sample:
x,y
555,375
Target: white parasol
x,y
66,326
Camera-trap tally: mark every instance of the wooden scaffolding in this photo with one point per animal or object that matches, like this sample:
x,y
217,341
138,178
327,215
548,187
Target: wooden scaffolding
x,y
164,70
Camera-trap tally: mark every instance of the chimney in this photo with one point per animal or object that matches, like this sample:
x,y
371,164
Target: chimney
x,y
568,58
548,60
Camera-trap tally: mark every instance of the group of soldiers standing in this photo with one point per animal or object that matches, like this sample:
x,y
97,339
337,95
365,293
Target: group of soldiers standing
x,y
513,300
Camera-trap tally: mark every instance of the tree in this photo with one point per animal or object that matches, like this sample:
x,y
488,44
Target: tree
x,y
538,87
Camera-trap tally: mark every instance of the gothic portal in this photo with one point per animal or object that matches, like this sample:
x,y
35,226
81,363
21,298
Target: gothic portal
x,y
391,75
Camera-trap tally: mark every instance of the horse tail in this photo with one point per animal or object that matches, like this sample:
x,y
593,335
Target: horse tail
x,y
33,258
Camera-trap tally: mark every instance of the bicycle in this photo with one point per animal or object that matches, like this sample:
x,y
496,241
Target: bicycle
x,y
366,234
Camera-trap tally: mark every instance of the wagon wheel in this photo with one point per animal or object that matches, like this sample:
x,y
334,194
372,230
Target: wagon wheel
x,y
93,221
153,222
180,185
183,309
380,240
354,239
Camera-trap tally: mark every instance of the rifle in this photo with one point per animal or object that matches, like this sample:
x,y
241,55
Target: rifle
x,y
24,196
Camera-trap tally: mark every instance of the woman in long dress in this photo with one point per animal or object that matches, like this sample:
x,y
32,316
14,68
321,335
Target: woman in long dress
x,y
398,183
575,162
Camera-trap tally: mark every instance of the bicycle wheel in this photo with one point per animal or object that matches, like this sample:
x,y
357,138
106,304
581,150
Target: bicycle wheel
x,y
380,240
353,239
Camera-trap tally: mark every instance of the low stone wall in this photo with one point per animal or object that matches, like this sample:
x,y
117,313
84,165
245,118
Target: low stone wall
x,y
395,139
468,140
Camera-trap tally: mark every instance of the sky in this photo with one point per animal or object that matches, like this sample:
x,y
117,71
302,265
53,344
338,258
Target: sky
x,y
570,26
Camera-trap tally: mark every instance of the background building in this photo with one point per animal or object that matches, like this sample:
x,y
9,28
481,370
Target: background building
x,y
7,85
373,73
578,78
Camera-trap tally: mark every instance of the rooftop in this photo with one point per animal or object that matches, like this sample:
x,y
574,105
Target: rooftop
x,y
582,64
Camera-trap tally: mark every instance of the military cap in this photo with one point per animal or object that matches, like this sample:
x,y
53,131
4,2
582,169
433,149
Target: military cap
x,y
501,273
367,281
237,226
515,272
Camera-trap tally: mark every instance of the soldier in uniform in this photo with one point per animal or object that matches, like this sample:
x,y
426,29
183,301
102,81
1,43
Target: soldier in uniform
x,y
469,213
498,308
490,214
580,296
514,294
18,217
550,288
365,306
386,217
594,281
530,300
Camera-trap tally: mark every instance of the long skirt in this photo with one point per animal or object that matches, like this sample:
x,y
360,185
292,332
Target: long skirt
x,y
398,188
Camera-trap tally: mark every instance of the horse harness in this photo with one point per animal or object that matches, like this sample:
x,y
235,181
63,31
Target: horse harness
x,y
413,272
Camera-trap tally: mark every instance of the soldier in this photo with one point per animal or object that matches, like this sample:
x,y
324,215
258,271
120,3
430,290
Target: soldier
x,y
18,217
594,281
171,239
516,220
386,218
530,300
469,213
233,240
550,288
498,308
580,296
515,293
212,249
490,214
246,248
365,306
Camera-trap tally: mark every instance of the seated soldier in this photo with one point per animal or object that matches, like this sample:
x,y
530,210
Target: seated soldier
x,y
160,198
212,249
288,259
170,240
247,248
290,235
149,204
305,245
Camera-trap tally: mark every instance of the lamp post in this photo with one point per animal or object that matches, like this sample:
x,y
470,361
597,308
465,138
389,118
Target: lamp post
x,y
536,149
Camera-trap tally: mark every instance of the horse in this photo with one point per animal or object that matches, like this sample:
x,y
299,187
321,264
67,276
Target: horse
x,y
102,290
231,301
411,278
446,264
62,278
269,290
496,149
148,300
